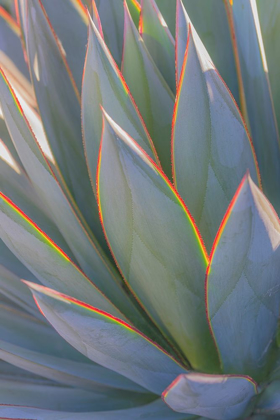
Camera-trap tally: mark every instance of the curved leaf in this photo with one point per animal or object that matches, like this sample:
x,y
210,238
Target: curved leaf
x,y
211,23
219,397
88,254
258,96
152,95
158,40
243,291
58,101
104,85
155,243
87,376
155,411
211,148
69,20
57,397
107,340
44,258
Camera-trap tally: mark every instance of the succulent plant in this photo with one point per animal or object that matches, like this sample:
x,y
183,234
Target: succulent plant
x,y
140,258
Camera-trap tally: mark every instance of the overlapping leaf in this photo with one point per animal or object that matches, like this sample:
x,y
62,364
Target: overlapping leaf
x,y
108,341
58,101
211,23
155,243
210,145
258,96
158,40
88,254
69,20
218,397
150,91
243,291
104,85
269,402
156,411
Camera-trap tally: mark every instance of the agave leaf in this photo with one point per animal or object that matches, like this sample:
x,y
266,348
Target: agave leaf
x,y
44,258
158,40
168,10
152,95
57,397
12,263
18,187
58,101
211,148
88,254
165,267
269,15
112,19
219,397
156,410
107,340
258,96
104,85
210,21
11,52
69,20
83,375
8,144
269,402
16,291
243,291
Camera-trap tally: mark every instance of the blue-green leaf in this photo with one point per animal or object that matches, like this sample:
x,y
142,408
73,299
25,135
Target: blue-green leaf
x,y
59,105
211,148
243,290
218,397
158,40
155,411
104,85
259,103
149,89
155,243
108,341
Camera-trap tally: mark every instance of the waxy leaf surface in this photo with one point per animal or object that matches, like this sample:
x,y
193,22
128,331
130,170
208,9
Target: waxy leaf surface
x,y
104,85
150,91
158,40
218,397
155,243
108,341
259,103
210,145
243,290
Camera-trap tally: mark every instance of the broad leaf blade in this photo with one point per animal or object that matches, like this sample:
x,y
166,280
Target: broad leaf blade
x,y
211,148
243,292
155,243
104,85
108,341
69,20
88,253
152,95
58,101
155,411
219,397
88,376
158,40
210,20
258,97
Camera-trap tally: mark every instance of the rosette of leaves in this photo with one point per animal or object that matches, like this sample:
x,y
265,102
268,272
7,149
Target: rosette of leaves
x,y
140,193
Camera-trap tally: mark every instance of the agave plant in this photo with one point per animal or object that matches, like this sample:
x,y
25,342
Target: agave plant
x,y
140,258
